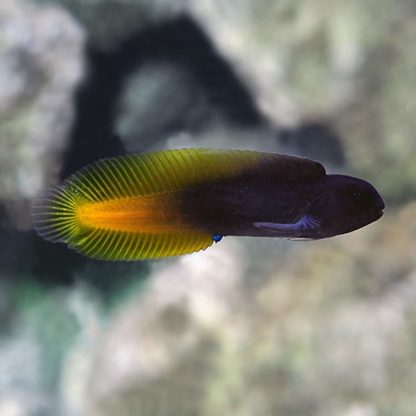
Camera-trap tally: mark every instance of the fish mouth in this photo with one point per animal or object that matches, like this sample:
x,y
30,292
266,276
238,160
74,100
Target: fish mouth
x,y
379,214
372,216
379,210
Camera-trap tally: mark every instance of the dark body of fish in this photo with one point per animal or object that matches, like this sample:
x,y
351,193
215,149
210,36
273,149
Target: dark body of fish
x,y
306,209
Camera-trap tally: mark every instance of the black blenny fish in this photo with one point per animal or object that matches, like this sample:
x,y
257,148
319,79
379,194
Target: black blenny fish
x,y
174,202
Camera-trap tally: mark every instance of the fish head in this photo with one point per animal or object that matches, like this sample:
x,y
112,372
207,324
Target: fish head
x,y
343,204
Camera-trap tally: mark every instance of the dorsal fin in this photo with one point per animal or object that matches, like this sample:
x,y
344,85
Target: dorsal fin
x,y
170,170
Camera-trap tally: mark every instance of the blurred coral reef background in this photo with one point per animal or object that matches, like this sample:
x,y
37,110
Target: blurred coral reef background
x,y
249,327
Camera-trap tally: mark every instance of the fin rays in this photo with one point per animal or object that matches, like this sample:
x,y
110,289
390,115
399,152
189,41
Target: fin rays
x,y
111,245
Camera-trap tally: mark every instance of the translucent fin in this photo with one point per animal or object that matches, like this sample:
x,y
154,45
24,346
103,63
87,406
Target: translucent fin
x,y
116,245
53,214
305,223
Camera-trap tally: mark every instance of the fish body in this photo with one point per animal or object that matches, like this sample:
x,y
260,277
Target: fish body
x,y
314,208
179,201
235,206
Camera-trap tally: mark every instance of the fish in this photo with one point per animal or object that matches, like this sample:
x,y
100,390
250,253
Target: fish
x,y
173,202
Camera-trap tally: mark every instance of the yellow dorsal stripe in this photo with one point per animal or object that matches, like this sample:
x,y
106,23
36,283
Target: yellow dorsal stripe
x,y
158,172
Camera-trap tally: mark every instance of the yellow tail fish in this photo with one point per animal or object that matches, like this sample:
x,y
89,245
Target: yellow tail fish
x,y
174,202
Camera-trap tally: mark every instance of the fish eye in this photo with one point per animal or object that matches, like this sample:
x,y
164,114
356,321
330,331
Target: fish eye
x,y
362,197
354,192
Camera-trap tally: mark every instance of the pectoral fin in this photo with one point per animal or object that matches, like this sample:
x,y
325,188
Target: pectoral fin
x,y
305,223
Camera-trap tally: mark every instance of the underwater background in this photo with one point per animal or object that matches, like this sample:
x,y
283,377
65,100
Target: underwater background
x,y
250,326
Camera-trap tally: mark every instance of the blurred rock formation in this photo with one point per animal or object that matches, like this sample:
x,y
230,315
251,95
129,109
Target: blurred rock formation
x,y
249,327
41,64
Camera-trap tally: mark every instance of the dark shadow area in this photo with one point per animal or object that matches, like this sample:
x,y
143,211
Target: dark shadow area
x,y
179,41
25,254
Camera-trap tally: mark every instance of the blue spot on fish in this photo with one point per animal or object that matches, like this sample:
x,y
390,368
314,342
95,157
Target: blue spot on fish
x,y
217,237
